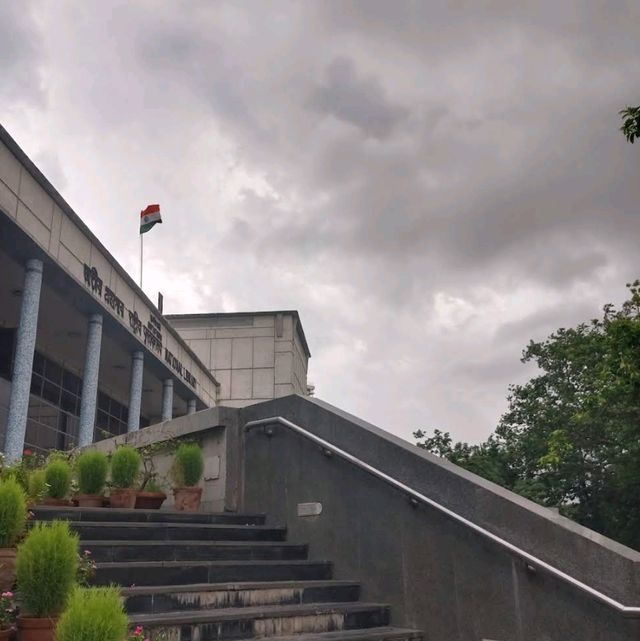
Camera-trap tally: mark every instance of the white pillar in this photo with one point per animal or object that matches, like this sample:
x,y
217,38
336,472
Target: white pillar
x,y
90,380
191,406
135,391
23,363
167,399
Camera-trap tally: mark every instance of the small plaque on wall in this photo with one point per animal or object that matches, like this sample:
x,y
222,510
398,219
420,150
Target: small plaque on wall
x,y
309,509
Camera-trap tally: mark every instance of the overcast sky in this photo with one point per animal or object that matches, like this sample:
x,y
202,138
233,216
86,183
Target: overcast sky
x,y
430,184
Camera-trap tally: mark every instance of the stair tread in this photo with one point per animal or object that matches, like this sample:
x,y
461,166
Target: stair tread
x,y
173,524
197,543
365,634
256,612
112,510
234,585
181,564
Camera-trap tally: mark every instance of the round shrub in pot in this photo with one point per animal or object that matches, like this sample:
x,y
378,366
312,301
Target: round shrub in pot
x,y
58,479
125,466
187,471
36,487
13,521
47,564
92,468
93,614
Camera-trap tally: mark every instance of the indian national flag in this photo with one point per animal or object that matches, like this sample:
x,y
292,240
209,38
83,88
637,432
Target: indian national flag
x,y
149,217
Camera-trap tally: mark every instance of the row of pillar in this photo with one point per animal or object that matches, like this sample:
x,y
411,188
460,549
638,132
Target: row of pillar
x,y
23,366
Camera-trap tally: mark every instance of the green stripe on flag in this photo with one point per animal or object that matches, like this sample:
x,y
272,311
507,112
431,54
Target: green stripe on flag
x,y
145,227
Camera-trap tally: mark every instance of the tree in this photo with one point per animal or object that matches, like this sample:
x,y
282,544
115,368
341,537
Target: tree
x,y
571,435
630,123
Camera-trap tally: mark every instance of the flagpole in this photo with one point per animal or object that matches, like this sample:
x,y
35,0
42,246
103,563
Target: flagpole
x,y
141,235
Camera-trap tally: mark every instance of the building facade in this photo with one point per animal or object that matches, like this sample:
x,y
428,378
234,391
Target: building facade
x,y
255,356
84,353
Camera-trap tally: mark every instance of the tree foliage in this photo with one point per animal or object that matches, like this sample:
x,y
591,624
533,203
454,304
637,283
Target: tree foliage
x,y
630,123
570,437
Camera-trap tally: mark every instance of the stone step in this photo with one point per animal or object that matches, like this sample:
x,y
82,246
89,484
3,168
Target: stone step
x,y
93,514
368,634
106,551
112,531
235,595
264,621
129,573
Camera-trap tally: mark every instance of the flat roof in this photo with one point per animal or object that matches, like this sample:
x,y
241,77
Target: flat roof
x,y
40,178
290,312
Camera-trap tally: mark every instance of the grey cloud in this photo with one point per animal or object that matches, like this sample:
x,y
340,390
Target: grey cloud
x,y
358,101
386,156
19,54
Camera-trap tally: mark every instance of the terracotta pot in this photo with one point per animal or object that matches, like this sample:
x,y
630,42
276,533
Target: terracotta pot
x,y
123,497
187,499
7,568
150,500
7,634
57,502
90,500
31,629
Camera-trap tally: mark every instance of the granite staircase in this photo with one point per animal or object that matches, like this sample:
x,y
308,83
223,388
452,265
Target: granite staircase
x,y
209,577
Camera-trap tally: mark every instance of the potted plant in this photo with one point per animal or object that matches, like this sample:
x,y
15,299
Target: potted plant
x,y
36,487
151,496
92,468
58,481
13,520
47,565
93,614
187,472
7,615
125,464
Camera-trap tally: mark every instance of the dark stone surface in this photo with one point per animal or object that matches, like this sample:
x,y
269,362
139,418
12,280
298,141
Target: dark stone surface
x,y
437,574
42,513
183,572
175,531
170,599
239,623
105,551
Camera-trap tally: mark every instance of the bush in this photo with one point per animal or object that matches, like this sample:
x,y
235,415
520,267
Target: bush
x,y
58,478
13,512
37,486
189,464
92,467
93,614
125,463
46,567
21,469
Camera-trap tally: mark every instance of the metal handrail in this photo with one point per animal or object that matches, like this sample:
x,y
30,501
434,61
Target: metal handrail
x,y
534,561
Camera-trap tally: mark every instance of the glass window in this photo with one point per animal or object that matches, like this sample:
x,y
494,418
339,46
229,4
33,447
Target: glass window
x,y
51,392
36,384
103,402
38,363
54,408
71,382
53,372
7,337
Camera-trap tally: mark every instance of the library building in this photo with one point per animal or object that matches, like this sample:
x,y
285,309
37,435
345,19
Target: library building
x,y
85,354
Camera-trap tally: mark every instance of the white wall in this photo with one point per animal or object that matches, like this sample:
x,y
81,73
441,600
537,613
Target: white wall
x,y
254,357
